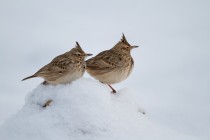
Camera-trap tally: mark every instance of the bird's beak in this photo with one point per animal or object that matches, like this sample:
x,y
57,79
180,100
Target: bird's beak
x,y
134,47
88,54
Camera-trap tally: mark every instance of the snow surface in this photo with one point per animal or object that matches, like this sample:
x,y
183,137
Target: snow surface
x,y
83,110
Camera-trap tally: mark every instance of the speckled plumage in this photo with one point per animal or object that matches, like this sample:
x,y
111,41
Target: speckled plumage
x,y
114,65
64,68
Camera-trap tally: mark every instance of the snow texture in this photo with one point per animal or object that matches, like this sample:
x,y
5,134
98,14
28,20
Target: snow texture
x,y
83,110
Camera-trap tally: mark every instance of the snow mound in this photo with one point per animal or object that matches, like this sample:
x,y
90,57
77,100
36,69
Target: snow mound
x,y
83,110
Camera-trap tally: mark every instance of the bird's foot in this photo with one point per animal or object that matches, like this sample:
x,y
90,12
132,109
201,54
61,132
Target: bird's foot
x,y
113,90
45,83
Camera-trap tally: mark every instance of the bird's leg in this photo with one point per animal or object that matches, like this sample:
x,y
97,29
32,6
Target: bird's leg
x,y
44,83
113,90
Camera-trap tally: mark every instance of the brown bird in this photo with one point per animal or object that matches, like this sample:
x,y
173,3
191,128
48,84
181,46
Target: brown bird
x,y
64,68
112,66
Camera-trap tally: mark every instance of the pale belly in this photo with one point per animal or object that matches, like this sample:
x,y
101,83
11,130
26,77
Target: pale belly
x,y
114,76
68,77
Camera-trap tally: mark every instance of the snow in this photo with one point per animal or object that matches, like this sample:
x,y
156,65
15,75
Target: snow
x,y
84,110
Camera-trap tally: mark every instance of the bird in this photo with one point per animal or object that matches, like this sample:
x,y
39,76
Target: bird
x,y
113,65
64,68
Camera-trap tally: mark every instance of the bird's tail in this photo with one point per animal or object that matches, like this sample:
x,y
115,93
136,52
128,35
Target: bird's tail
x,y
32,76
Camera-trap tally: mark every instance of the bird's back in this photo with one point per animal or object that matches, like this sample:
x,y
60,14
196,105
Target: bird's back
x,y
110,66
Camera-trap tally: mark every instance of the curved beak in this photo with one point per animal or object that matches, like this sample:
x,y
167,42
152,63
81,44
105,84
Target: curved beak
x,y
134,47
88,54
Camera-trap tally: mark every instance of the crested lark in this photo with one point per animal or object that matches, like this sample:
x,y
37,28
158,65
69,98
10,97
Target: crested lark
x,y
112,66
63,68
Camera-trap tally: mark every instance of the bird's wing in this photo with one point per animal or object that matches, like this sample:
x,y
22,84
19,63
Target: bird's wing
x,y
55,69
104,62
131,67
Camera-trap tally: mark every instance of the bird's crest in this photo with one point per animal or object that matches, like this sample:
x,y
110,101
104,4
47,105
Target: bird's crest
x,y
124,40
78,46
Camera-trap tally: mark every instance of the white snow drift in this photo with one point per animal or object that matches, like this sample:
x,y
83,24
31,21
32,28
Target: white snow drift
x,y
83,110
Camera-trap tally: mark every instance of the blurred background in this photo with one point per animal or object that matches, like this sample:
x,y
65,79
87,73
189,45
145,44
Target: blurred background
x,y
171,75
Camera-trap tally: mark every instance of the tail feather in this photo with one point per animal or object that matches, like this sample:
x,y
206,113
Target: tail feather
x,y
32,76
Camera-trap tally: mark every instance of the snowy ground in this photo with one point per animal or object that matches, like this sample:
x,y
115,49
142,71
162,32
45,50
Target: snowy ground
x,y
83,110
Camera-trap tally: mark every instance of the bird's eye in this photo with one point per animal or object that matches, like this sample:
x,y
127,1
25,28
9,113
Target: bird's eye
x,y
78,54
126,48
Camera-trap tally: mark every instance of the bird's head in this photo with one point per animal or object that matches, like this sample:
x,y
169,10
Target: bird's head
x,y
124,46
78,53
